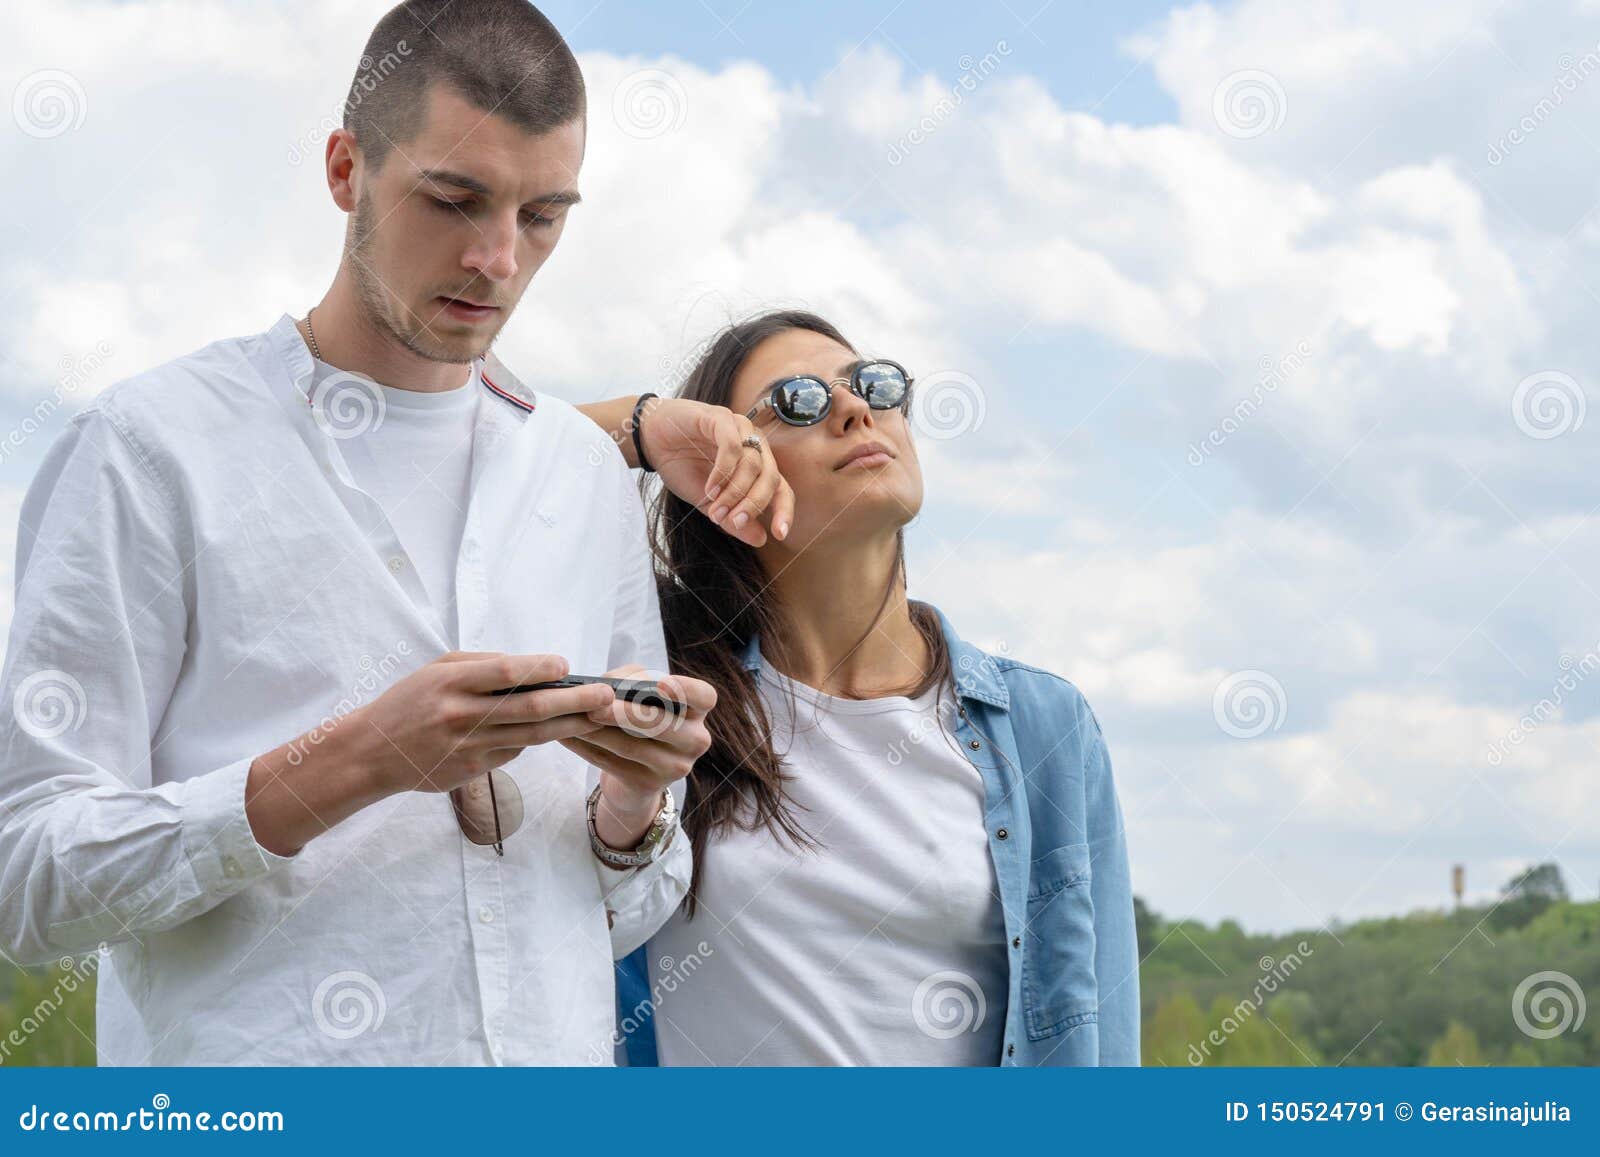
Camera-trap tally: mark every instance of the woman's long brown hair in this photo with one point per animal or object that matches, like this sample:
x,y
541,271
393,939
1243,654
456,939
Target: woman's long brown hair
x,y
714,598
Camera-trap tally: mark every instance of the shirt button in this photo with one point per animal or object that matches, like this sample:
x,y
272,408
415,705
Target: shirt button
x,y
1016,942
230,866
397,564
1002,834
1011,1050
486,914
974,744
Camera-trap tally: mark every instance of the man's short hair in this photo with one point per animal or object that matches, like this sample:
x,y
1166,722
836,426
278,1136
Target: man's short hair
x,y
503,56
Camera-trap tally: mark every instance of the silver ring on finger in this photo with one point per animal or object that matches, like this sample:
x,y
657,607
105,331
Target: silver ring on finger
x,y
752,441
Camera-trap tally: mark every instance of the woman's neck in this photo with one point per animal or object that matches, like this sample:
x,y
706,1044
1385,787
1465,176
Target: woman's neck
x,y
839,635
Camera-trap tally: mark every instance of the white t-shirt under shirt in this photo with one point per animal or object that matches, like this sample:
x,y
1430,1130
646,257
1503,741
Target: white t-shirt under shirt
x,y
415,458
885,946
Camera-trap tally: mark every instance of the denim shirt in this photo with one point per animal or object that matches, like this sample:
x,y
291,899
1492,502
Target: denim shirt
x,y
1060,856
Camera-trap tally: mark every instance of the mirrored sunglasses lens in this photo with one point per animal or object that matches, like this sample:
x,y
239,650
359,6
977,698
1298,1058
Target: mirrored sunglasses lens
x,y
802,400
883,385
477,804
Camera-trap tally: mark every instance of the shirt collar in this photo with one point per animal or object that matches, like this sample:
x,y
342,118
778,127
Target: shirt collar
x,y
497,378
975,671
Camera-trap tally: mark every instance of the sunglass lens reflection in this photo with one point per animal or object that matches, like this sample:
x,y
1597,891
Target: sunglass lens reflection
x,y
883,385
802,400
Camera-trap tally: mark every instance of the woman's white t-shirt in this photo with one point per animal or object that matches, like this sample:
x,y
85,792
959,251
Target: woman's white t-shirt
x,y
885,945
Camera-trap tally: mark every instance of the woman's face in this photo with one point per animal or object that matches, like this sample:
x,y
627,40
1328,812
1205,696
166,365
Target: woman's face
x,y
837,492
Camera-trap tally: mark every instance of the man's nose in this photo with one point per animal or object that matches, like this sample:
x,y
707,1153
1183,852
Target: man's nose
x,y
493,253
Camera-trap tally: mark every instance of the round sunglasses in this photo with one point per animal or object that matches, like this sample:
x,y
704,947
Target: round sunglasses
x,y
488,809
805,399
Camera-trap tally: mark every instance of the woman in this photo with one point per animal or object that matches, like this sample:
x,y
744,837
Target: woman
x,y
907,851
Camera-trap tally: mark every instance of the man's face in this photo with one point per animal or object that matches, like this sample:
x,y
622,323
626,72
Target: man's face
x,y
461,216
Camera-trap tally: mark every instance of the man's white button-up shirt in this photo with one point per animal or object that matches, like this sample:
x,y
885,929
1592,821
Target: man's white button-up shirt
x,y
200,580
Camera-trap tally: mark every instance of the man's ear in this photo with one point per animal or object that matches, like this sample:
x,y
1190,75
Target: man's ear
x,y
342,161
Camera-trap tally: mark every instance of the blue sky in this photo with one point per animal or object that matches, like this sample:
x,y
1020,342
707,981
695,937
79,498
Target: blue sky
x,y
1349,249
1071,47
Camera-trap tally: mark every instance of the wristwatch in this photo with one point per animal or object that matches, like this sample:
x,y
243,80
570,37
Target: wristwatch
x,y
654,843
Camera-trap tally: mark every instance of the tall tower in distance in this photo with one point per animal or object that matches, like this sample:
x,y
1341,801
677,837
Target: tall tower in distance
x,y
1458,881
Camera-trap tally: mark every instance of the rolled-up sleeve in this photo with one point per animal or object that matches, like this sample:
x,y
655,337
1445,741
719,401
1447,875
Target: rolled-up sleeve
x,y
1116,952
639,900
91,850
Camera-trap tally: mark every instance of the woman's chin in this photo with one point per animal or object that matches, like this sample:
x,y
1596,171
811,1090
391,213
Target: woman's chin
x,y
866,512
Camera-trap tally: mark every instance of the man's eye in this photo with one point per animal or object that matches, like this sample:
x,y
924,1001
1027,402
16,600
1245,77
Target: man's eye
x,y
449,206
539,221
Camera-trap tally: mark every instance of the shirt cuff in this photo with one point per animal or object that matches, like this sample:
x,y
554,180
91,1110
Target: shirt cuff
x,y
222,848
639,900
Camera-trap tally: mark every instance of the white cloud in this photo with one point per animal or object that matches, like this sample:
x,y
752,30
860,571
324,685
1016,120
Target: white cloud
x,y
1375,530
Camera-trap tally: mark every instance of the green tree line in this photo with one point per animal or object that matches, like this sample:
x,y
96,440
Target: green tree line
x,y
1495,984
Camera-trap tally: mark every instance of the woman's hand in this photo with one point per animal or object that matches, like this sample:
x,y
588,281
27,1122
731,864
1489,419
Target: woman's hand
x,y
696,449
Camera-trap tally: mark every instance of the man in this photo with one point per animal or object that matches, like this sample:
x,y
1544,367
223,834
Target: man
x,y
266,593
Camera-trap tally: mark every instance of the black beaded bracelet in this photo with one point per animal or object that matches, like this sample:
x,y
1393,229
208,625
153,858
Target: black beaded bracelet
x,y
638,442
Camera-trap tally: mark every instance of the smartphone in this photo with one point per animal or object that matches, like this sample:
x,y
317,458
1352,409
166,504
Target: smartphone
x,y
641,691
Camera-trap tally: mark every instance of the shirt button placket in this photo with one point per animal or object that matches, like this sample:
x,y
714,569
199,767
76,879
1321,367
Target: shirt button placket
x,y
471,590
485,901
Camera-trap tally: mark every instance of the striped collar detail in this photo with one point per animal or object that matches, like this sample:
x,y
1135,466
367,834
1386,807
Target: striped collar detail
x,y
522,400
513,391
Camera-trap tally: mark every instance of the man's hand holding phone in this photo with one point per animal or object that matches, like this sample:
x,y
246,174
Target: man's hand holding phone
x,y
438,729
452,722
445,724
